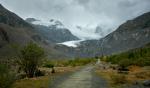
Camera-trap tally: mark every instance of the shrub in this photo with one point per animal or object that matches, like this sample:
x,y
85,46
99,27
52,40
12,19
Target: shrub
x,y
7,78
48,65
39,73
124,63
31,58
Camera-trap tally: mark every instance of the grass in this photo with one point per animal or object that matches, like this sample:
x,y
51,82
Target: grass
x,y
71,62
118,80
40,82
114,79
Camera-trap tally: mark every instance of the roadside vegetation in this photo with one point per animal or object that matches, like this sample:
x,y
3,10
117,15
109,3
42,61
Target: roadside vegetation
x,y
67,62
127,69
138,57
50,69
7,76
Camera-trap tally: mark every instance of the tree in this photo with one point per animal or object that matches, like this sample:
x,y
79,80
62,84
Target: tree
x,y
31,58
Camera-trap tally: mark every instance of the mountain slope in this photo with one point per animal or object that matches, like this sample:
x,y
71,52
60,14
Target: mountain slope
x,y
139,57
11,18
132,34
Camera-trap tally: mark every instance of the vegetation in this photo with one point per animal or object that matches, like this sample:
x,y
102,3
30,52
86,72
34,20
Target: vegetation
x,y
118,79
7,78
30,59
138,57
72,62
40,82
133,66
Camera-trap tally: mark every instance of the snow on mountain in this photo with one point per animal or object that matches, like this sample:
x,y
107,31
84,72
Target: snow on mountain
x,y
51,22
86,32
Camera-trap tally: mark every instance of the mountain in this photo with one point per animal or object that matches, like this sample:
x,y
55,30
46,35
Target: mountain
x,y
53,30
12,27
132,34
11,18
15,31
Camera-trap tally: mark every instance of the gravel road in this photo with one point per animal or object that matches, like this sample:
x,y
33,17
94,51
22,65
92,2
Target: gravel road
x,y
84,78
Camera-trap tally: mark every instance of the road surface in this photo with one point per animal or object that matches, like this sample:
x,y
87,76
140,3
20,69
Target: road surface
x,y
84,78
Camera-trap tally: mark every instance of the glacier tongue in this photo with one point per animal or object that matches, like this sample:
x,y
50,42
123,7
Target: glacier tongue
x,y
72,43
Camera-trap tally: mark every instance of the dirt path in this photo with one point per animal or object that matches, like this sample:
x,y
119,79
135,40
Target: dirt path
x,y
84,78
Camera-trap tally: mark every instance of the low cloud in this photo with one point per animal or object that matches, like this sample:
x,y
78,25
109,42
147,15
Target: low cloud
x,y
107,13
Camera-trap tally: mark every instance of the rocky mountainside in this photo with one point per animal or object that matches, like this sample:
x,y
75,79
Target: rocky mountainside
x,y
13,28
53,30
11,18
15,31
132,34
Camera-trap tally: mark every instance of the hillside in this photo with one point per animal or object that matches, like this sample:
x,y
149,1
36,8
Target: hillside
x,y
138,57
11,18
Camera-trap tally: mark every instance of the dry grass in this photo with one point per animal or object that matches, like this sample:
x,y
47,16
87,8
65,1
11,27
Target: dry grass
x,y
40,82
115,79
138,73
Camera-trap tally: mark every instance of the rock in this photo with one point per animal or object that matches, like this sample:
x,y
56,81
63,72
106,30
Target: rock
x,y
146,83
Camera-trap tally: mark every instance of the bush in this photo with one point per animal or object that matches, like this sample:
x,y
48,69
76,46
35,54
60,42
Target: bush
x,y
48,65
39,73
124,63
31,58
7,78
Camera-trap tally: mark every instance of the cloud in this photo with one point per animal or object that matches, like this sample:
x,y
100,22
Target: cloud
x,y
107,13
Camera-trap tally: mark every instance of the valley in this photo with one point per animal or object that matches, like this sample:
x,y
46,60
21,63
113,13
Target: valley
x,y
55,53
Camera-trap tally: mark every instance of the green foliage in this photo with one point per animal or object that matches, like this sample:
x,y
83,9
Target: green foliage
x,y
7,78
31,58
139,57
39,73
49,65
124,63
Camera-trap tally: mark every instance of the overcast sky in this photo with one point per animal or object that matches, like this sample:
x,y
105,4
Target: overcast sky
x,y
109,14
